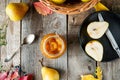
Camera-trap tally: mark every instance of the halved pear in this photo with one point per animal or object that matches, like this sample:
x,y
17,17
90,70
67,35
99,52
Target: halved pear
x,y
94,49
97,29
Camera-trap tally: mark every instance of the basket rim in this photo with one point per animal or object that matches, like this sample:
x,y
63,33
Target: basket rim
x,y
68,9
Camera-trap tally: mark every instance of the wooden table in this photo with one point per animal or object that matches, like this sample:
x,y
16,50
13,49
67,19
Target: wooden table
x,y
73,63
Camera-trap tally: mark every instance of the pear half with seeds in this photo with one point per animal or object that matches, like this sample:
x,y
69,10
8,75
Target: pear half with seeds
x,y
95,50
97,29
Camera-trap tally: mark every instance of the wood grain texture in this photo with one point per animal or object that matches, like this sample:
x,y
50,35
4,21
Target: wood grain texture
x,y
56,23
78,63
13,39
30,54
31,23
73,63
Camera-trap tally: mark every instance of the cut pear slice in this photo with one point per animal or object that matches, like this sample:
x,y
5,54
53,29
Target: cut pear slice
x,y
95,50
97,29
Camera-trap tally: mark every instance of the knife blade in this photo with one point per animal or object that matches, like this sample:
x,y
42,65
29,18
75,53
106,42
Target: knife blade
x,y
110,36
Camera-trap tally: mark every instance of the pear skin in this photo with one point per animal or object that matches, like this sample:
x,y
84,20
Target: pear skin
x,y
49,74
16,11
58,1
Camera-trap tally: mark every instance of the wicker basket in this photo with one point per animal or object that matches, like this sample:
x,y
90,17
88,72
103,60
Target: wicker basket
x,y
70,8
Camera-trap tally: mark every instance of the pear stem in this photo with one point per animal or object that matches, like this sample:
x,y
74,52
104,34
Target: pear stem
x,y
41,62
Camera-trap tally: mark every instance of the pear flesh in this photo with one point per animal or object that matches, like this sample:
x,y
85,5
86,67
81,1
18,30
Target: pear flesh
x,y
97,29
95,50
49,74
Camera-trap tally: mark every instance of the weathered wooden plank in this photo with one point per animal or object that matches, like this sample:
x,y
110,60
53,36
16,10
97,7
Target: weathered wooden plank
x,y
30,54
111,70
13,39
78,62
56,23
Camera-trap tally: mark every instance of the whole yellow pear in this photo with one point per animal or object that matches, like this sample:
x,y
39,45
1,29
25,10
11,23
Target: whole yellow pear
x,y
58,1
85,0
16,11
49,74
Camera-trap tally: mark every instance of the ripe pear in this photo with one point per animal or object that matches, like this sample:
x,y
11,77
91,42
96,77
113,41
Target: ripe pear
x,y
16,11
95,50
85,0
58,1
97,29
49,74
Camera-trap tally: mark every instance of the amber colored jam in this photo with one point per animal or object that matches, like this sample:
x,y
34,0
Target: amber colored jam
x,y
53,45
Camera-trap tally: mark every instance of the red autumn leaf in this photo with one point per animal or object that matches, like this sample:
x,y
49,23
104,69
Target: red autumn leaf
x,y
27,77
42,9
14,75
7,79
30,77
3,75
23,78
